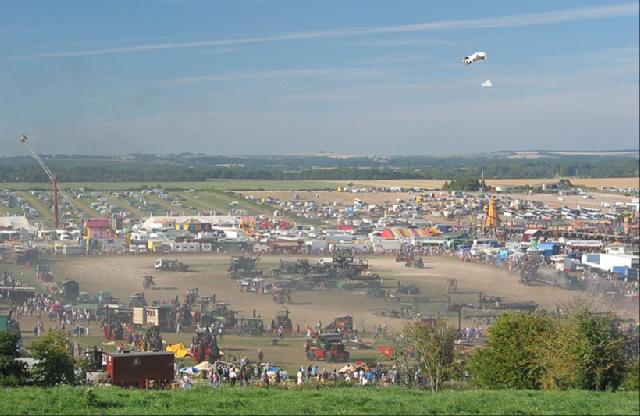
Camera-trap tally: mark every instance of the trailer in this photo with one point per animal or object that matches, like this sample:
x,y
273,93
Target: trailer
x,y
140,369
160,316
170,265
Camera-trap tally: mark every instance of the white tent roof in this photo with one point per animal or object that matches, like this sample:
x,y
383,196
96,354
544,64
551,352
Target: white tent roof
x,y
15,222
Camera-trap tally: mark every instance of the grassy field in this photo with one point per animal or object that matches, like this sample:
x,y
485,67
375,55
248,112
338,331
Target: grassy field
x,y
46,212
228,401
298,185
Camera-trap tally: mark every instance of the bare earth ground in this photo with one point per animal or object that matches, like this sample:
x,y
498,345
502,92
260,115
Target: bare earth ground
x,y
123,276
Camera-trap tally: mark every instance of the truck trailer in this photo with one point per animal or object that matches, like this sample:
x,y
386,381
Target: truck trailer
x,y
140,369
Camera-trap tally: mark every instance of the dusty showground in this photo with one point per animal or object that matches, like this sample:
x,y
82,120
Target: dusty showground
x,y
123,275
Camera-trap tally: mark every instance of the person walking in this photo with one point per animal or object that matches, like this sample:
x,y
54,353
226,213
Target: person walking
x,y
233,376
299,377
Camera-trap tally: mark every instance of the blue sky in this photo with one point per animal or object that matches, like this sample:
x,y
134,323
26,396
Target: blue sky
x,y
291,76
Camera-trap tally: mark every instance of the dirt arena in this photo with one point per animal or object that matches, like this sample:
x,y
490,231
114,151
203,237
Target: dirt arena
x,y
123,276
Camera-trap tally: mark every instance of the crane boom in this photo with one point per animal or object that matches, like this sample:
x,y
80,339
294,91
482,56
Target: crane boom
x,y
54,181
37,157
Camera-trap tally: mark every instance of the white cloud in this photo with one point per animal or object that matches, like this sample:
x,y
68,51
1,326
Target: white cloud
x,y
487,84
400,42
586,13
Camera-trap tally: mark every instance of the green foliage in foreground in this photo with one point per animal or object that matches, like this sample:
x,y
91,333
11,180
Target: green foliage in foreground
x,y
12,372
530,351
205,400
56,364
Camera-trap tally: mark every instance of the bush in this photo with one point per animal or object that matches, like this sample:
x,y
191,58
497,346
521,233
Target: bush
x,y
511,358
584,351
600,351
557,358
632,378
12,372
56,363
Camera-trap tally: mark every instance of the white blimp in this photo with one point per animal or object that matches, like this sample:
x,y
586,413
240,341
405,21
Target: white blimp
x,y
474,57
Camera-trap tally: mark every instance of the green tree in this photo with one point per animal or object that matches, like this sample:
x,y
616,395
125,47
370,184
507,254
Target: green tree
x,y
556,355
601,352
464,184
56,364
402,351
434,349
511,357
12,372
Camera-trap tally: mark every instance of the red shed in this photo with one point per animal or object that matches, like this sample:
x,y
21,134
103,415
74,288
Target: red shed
x,y
139,368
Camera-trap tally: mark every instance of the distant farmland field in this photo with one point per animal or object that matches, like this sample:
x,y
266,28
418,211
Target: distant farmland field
x,y
302,185
347,401
437,184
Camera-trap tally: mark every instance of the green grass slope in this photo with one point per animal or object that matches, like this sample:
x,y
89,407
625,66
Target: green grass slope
x,y
347,401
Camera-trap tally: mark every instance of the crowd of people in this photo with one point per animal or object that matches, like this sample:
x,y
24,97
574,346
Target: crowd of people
x,y
242,372
46,308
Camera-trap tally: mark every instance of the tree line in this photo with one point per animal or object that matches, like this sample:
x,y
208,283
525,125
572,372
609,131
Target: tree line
x,y
22,169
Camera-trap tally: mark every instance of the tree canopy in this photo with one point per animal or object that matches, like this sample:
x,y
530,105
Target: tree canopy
x,y
56,364
585,350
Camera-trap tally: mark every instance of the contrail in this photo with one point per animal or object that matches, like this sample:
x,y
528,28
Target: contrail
x,y
587,13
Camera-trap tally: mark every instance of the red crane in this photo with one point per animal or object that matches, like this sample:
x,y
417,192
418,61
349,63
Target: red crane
x,y
52,178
